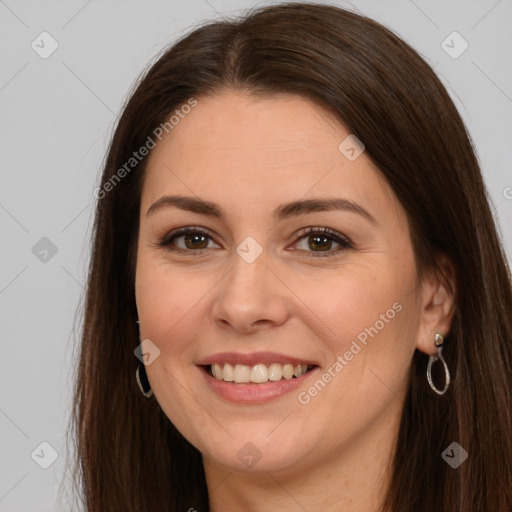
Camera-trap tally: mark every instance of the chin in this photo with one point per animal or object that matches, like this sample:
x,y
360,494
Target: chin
x,y
261,454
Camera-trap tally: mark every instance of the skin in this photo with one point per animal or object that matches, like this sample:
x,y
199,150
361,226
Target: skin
x,y
250,155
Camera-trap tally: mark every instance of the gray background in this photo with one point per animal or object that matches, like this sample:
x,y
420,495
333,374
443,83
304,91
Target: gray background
x,y
57,115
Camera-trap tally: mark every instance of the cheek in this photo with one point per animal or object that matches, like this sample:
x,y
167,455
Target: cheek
x,y
372,320
172,306
355,300
164,299
368,316
169,306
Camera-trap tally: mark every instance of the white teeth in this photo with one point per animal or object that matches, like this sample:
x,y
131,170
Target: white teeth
x,y
258,373
217,371
228,373
242,373
275,372
288,371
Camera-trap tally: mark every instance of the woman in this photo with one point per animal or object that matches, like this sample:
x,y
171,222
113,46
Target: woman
x,y
297,297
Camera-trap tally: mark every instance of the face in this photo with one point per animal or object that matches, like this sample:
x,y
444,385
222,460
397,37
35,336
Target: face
x,y
268,277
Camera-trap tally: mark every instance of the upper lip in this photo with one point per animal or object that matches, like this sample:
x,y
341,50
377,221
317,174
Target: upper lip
x,y
253,358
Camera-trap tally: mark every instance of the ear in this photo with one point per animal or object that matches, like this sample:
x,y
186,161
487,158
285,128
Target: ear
x,y
438,292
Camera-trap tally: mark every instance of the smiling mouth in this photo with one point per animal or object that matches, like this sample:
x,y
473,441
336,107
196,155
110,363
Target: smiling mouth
x,y
257,374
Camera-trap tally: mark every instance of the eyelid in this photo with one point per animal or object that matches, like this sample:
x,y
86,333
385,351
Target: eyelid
x,y
342,240
324,230
166,240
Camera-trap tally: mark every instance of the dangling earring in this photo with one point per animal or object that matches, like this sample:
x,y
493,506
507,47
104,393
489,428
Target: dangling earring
x,y
439,340
142,377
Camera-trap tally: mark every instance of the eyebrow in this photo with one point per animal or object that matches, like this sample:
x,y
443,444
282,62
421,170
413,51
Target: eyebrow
x,y
284,211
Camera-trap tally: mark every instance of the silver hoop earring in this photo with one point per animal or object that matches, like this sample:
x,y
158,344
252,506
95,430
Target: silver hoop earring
x,y
142,377
142,381
439,340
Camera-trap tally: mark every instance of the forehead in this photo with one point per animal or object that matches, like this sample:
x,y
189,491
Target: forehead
x,y
236,124
233,147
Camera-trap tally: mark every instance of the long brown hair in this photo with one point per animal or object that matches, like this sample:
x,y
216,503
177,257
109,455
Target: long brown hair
x,y
129,456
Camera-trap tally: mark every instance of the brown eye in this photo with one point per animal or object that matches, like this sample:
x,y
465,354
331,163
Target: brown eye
x,y
321,240
194,240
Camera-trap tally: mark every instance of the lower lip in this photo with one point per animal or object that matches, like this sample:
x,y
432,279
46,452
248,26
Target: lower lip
x,y
251,393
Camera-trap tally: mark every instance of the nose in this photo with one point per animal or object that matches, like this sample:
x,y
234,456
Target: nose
x,y
251,297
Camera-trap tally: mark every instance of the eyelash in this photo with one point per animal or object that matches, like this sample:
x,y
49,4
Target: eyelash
x,y
343,241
